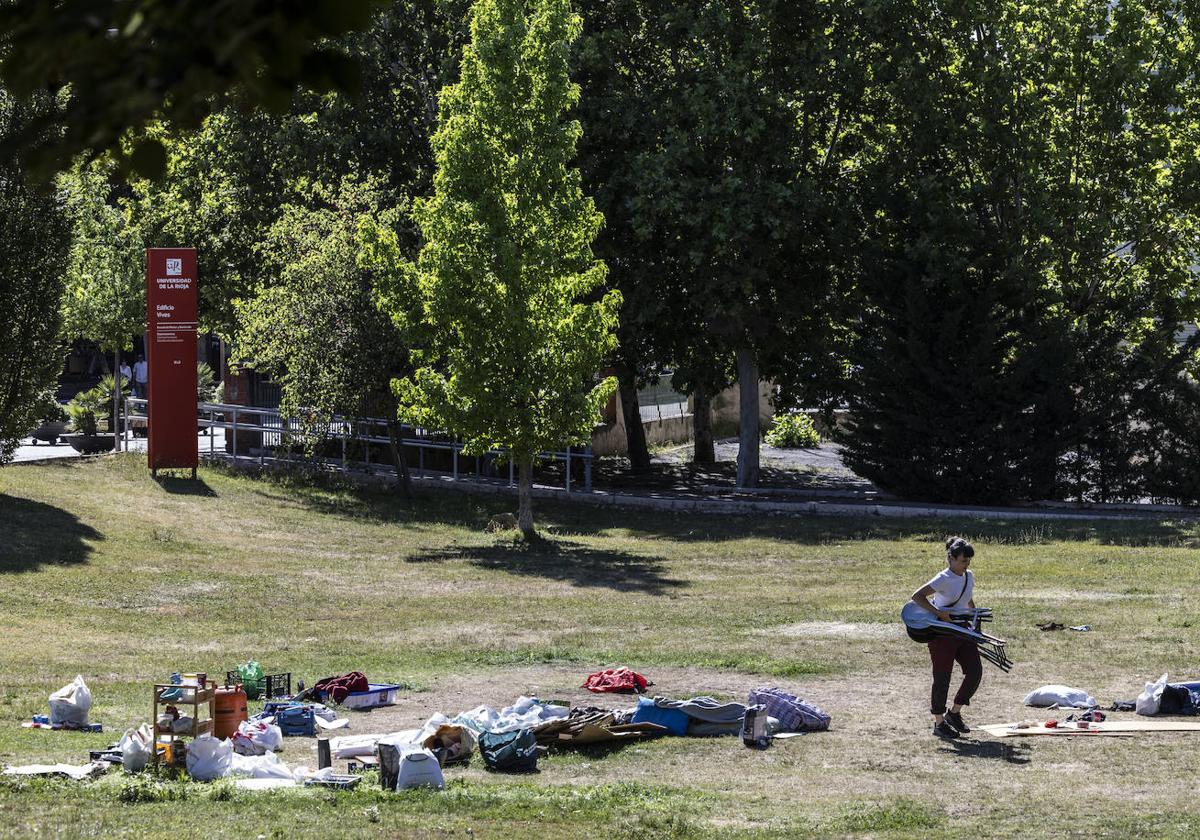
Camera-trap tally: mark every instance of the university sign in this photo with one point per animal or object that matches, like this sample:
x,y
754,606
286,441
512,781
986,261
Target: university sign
x,y
171,354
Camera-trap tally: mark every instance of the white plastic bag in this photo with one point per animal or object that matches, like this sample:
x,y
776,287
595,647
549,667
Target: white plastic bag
x,y
260,767
1150,699
208,758
69,705
135,748
256,737
1062,695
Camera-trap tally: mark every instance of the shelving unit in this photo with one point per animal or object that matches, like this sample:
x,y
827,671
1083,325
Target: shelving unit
x,y
206,694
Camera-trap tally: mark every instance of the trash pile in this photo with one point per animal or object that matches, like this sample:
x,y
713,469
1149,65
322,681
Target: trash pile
x,y
207,731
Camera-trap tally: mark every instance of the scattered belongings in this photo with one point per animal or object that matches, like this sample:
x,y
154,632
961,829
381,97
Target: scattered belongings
x,y
1083,727
70,704
78,772
1060,695
590,725
1050,625
793,714
754,728
43,722
257,737
338,689
259,685
699,716
136,747
515,751
352,691
1081,628
231,710
617,680
403,766
1164,698
526,713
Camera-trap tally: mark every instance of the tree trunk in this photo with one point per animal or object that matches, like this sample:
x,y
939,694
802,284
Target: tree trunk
x,y
116,405
748,433
635,432
704,452
403,480
525,496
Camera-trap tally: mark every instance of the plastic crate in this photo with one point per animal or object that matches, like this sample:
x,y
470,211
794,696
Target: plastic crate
x,y
377,694
269,686
297,721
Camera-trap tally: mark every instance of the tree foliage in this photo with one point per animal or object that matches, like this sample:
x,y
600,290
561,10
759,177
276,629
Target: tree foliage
x,y
1028,258
34,237
105,295
127,64
316,329
510,347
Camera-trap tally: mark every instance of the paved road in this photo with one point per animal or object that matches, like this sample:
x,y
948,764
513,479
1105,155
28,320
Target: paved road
x,y
44,451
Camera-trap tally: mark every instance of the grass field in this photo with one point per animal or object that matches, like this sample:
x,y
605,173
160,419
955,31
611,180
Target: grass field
x,y
107,573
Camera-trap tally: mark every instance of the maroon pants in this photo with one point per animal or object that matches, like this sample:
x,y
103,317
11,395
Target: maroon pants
x,y
944,651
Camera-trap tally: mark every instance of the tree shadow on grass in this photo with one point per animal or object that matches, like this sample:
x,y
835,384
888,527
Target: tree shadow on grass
x,y
37,534
1002,750
432,509
573,563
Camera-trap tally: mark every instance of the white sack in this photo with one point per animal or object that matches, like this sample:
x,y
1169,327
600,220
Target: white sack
x,y
70,703
254,737
1049,695
259,767
1150,699
135,748
208,758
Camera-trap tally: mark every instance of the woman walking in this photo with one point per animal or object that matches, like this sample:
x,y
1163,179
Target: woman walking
x,y
952,589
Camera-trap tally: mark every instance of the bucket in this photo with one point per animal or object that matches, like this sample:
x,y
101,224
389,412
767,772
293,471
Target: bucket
x,y
230,710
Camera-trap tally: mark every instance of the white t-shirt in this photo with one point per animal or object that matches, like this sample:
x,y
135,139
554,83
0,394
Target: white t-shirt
x,y
947,587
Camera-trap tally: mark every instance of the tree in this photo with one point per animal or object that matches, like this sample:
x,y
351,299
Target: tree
x,y
34,236
1028,259
104,299
227,181
510,350
127,64
316,329
733,176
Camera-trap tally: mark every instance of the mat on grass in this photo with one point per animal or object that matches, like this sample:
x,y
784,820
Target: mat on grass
x,y
1108,727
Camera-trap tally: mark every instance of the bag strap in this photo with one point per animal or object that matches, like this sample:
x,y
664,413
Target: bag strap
x,y
966,580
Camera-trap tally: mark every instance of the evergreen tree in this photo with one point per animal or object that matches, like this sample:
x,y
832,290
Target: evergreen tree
x,y
510,349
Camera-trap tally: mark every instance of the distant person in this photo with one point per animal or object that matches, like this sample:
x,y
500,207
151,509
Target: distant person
x,y
952,589
125,372
141,375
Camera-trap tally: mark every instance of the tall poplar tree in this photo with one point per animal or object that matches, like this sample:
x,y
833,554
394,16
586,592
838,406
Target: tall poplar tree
x,y
511,348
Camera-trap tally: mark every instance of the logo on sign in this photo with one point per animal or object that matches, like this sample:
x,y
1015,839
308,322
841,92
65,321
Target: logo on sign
x,y
174,268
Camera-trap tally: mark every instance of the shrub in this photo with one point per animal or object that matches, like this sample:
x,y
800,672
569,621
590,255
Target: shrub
x,y
793,431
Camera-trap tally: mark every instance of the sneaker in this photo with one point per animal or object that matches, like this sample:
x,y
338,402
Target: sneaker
x,y
945,730
955,720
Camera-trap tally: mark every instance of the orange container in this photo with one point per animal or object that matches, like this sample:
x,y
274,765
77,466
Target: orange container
x,y
230,710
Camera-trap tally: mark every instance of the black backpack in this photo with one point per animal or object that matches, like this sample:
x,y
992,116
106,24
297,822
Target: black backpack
x,y
509,752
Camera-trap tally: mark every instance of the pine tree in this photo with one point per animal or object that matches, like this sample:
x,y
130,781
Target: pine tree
x,y
511,348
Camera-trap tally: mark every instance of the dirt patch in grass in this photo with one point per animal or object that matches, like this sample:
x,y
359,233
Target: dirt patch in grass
x,y
834,630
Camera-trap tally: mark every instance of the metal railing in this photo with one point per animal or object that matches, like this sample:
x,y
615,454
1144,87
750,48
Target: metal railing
x,y
274,432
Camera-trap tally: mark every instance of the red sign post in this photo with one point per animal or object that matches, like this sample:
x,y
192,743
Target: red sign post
x,y
171,354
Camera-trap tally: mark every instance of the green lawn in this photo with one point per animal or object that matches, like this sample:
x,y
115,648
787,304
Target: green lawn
x,y
107,573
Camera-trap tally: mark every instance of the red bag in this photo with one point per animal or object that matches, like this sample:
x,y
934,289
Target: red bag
x,y
616,680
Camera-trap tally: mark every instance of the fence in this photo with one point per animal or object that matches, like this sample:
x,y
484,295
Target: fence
x,y
276,432
660,401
